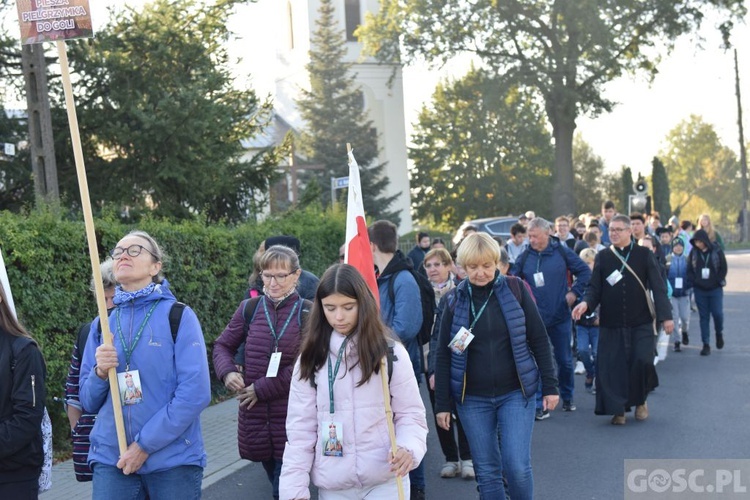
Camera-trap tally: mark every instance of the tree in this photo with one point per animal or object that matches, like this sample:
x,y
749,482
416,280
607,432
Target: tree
x,y
479,152
16,183
660,186
161,119
334,115
565,50
591,182
701,168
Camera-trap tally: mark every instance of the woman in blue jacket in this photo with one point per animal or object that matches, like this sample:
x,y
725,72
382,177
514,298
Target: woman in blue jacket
x,y
165,456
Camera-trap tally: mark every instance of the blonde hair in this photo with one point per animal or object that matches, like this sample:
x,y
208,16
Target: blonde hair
x,y
709,227
440,253
588,255
478,248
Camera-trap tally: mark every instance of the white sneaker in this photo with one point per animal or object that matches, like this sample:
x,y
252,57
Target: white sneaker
x,y
450,469
467,469
580,369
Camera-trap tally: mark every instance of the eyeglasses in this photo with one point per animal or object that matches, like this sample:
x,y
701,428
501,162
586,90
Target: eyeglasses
x,y
132,250
618,229
280,278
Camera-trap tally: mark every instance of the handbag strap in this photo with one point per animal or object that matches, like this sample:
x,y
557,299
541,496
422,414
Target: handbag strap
x,y
649,300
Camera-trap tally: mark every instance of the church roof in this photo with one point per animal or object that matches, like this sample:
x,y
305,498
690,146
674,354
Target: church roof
x,y
272,135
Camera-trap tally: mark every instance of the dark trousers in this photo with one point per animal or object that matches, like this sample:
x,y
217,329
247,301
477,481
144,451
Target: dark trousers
x,y
448,440
20,490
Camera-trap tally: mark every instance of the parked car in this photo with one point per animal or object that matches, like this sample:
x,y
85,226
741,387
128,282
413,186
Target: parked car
x,y
494,226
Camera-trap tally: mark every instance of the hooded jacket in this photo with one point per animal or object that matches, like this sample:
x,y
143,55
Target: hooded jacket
x,y
361,411
22,395
404,316
711,258
174,379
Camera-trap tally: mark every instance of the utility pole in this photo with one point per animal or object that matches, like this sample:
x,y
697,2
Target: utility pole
x,y
743,154
43,164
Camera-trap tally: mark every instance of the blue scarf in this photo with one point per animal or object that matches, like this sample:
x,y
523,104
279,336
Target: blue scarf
x,y
122,296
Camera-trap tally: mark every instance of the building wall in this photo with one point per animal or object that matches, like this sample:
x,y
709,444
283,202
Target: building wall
x,y
385,104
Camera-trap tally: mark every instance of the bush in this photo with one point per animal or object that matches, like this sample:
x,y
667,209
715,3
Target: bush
x,y
49,270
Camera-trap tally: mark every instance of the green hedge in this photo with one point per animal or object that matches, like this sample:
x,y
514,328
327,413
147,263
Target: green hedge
x,y
49,270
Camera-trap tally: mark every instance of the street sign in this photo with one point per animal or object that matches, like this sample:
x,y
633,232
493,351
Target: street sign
x,y
341,182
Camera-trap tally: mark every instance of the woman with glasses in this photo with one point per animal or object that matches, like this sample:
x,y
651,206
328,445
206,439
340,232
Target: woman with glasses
x,y
438,264
271,325
165,455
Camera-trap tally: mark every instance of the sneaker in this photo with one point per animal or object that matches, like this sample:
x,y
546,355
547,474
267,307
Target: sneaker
x,y
450,469
542,414
719,340
685,339
580,369
417,493
618,420
677,347
706,350
467,469
569,406
641,412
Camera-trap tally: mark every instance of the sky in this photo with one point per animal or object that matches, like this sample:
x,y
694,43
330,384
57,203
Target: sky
x,y
690,81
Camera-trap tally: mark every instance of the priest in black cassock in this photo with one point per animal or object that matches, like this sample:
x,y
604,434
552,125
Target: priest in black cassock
x,y
625,363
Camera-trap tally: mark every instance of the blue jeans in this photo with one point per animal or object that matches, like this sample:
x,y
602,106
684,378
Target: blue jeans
x,y
588,344
710,303
499,433
182,482
273,471
560,336
416,476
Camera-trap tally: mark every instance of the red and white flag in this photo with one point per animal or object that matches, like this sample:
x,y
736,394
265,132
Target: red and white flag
x,y
358,252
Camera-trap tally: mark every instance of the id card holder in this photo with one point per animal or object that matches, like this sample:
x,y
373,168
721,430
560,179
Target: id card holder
x,y
273,364
678,283
333,438
539,279
705,273
614,278
129,384
461,341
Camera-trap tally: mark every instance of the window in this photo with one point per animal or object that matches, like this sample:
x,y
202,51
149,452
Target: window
x,y
352,13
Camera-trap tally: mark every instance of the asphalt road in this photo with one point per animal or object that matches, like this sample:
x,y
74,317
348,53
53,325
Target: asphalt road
x,y
699,411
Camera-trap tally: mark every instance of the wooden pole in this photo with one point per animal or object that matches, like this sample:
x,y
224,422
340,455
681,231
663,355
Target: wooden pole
x,y
389,420
91,237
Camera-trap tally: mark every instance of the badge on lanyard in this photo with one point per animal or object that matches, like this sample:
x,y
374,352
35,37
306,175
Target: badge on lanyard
x,y
461,341
678,283
539,279
129,384
333,438
614,278
273,365
705,273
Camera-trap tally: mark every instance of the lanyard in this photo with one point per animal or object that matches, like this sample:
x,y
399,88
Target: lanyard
x,y
276,338
625,260
538,262
481,310
128,349
705,257
332,374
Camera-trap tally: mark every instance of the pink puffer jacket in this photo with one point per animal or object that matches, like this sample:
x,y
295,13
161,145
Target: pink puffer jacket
x,y
361,410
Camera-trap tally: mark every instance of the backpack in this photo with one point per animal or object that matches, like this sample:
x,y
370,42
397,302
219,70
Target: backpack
x,y
427,296
514,283
521,261
390,357
248,313
175,317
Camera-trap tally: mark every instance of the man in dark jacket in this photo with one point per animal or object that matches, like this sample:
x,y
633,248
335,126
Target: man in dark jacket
x,y
626,371
416,254
707,270
545,266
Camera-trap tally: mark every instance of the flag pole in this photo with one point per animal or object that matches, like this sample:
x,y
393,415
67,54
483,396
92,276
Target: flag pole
x,y
91,238
389,420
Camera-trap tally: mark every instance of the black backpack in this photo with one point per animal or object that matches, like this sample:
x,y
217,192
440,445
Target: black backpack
x,y
175,317
427,296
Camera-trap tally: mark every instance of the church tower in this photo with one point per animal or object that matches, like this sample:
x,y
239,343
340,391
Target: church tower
x,y
384,103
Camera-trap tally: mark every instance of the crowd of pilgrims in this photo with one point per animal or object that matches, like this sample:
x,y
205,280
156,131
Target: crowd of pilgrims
x,y
327,373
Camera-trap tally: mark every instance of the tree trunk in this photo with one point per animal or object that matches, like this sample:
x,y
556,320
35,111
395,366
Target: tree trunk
x,y
563,199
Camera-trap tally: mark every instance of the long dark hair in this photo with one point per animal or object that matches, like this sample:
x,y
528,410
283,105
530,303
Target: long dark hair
x,y
370,330
8,321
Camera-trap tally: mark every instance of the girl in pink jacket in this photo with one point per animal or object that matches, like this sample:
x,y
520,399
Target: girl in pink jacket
x,y
336,423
